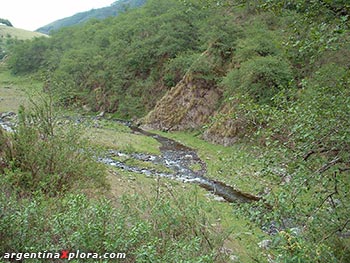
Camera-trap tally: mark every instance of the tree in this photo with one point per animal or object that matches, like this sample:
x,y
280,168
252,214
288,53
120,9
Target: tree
x,y
5,22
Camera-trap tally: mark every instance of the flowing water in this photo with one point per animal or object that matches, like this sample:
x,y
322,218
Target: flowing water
x,y
180,160
6,121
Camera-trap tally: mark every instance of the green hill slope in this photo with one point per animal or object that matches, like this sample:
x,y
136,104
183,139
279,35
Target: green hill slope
x,y
100,13
10,34
21,34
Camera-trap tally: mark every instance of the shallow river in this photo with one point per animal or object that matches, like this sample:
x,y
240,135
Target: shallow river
x,y
180,160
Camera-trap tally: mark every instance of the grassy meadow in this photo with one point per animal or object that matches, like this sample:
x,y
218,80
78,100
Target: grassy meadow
x,y
18,33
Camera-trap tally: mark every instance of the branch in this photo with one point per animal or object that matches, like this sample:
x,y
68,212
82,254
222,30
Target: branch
x,y
322,150
306,156
329,165
339,230
341,170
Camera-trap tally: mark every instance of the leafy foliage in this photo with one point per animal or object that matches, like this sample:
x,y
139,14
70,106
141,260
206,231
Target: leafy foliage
x,y
260,77
40,156
75,222
5,22
29,56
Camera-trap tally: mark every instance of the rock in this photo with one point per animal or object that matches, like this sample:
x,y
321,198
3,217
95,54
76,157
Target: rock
x,y
7,115
286,179
219,199
7,120
188,156
344,234
295,231
271,228
96,125
188,105
86,108
234,258
6,127
215,197
101,114
265,244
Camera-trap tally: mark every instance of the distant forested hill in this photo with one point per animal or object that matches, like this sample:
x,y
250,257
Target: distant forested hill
x,y
100,13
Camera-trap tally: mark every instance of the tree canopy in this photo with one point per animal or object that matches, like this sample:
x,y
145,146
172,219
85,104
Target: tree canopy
x,y
5,22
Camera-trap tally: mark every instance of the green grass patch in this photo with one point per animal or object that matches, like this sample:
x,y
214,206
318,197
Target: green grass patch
x,y
16,90
17,33
113,135
122,141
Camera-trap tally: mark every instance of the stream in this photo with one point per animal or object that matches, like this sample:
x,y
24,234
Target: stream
x,y
6,120
180,160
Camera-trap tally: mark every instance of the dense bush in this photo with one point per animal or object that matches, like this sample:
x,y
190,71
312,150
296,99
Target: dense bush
x,y
260,77
306,132
177,67
28,56
169,233
41,156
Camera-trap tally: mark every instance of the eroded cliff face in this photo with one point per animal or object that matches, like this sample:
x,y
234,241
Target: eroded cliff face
x,y
228,125
188,105
197,102
194,103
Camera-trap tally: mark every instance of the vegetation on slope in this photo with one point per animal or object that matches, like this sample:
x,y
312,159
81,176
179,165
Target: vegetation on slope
x,y
125,63
8,35
5,22
281,74
7,32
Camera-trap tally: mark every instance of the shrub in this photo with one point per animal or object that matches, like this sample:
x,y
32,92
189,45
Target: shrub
x,y
153,230
260,77
259,42
176,68
42,156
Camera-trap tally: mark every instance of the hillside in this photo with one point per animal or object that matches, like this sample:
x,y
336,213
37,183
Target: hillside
x,y
9,35
100,13
17,33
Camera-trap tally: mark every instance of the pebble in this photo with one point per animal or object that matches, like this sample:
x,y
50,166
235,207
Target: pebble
x,y
234,258
265,244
